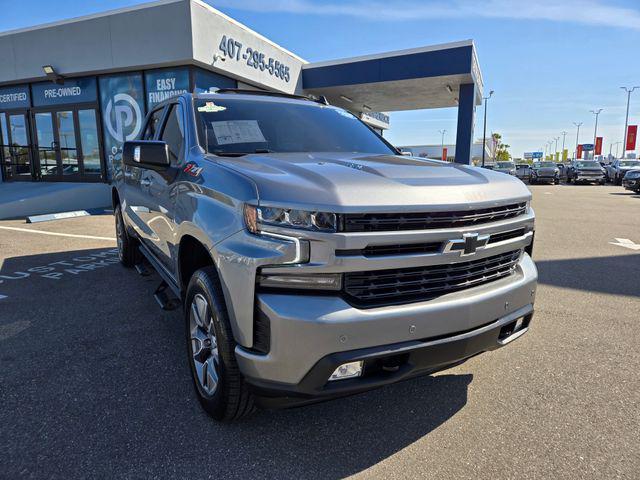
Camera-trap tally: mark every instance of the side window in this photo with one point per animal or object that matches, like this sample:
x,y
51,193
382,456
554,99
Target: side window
x,y
173,134
152,125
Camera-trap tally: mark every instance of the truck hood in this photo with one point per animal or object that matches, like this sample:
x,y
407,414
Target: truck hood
x,y
344,182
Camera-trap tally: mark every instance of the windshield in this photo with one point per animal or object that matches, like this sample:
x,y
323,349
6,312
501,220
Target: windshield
x,y
505,165
588,165
240,126
633,163
544,164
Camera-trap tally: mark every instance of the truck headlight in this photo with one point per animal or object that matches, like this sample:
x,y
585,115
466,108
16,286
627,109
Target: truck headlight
x,y
255,217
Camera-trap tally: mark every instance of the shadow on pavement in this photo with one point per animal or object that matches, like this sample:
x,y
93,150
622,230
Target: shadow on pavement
x,y
95,382
625,194
616,274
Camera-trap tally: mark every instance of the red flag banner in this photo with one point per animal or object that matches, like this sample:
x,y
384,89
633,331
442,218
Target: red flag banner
x,y
598,146
579,154
444,153
632,134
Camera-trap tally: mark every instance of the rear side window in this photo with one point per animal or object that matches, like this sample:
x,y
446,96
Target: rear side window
x,y
152,125
173,134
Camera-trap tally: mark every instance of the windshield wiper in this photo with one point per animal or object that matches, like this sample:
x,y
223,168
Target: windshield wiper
x,y
221,153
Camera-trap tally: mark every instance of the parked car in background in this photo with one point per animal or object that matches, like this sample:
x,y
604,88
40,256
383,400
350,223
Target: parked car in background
x,y
489,166
505,167
523,171
631,180
617,169
546,172
563,167
587,171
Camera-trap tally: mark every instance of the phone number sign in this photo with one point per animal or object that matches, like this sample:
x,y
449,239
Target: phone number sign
x,y
234,50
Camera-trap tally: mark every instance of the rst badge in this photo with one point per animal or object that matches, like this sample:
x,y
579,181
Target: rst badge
x,y
468,244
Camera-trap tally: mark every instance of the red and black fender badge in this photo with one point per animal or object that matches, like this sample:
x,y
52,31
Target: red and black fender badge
x,y
192,169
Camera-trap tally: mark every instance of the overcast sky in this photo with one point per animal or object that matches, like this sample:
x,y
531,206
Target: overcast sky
x,y
549,62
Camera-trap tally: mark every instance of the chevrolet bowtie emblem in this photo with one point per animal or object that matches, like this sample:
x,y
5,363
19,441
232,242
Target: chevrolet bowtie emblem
x,y
468,244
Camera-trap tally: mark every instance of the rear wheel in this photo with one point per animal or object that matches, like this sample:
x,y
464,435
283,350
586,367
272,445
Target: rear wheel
x,y
220,386
128,252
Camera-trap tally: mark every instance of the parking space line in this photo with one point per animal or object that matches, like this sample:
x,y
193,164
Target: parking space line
x,y
42,232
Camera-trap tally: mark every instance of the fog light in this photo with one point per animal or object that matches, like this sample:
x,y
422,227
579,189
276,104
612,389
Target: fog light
x,y
347,370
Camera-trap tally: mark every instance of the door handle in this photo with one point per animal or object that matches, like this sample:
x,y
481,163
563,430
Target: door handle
x,y
145,182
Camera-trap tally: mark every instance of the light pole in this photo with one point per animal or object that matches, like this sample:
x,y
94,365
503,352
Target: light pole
x,y
595,130
611,146
442,144
626,119
556,151
577,135
484,135
564,134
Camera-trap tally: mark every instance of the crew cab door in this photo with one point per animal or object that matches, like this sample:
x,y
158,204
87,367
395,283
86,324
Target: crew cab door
x,y
160,188
137,182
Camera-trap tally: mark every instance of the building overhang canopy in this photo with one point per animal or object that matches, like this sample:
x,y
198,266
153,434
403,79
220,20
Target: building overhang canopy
x,y
428,77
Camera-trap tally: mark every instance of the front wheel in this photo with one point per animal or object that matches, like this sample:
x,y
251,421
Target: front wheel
x,y
128,252
220,386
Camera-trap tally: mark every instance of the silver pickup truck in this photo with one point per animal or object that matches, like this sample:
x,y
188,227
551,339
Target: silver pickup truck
x,y
312,260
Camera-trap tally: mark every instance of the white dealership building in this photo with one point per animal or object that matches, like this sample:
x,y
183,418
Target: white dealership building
x,y
71,92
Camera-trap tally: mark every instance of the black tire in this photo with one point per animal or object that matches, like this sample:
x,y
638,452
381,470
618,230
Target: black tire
x,y
232,398
568,179
128,252
618,180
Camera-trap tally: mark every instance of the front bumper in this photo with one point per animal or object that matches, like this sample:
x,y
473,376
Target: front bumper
x,y
392,363
545,178
633,184
589,178
311,335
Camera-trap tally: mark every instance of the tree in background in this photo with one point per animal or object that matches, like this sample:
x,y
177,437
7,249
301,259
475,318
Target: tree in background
x,y
499,150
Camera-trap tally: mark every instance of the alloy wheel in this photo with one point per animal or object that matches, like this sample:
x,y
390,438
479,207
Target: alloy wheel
x,y
204,345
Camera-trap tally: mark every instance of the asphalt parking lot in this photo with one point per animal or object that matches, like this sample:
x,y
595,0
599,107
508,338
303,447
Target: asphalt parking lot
x,y
94,380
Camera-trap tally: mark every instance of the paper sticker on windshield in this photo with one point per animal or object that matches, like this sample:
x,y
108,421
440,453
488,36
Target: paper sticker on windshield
x,y
237,131
211,107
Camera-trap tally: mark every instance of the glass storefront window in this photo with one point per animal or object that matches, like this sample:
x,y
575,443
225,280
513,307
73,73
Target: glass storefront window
x,y
165,83
19,150
204,80
46,144
89,141
122,107
67,136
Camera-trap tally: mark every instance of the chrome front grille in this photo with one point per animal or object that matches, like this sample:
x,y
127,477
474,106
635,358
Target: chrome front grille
x,y
387,222
399,286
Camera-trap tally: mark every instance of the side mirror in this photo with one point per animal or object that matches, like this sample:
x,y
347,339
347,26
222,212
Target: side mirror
x,y
146,154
